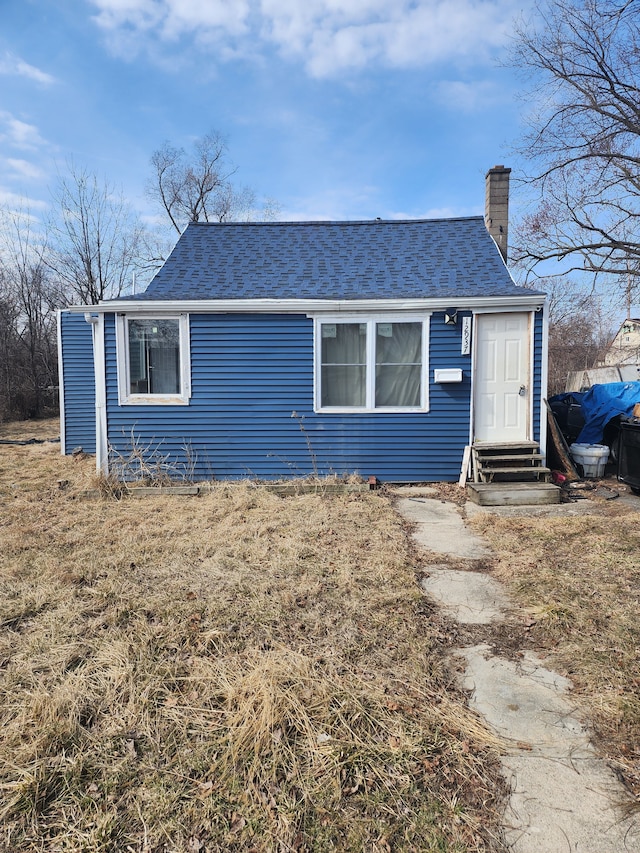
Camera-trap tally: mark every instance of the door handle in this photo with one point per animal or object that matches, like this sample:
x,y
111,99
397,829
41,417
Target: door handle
x,y
523,390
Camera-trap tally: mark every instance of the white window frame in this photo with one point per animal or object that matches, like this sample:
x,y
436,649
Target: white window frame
x,y
371,320
125,397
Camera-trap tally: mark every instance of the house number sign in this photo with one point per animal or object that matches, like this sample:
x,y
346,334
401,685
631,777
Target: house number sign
x,y
466,336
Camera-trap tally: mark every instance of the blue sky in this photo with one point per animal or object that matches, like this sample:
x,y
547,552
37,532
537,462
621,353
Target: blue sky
x,y
338,109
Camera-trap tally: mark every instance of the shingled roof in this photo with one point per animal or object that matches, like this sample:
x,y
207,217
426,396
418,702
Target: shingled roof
x,y
391,259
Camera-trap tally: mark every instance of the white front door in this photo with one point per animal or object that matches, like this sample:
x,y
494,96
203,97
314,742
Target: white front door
x,y
502,377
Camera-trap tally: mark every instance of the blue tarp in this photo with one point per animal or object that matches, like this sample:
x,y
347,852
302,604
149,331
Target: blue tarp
x,y
603,402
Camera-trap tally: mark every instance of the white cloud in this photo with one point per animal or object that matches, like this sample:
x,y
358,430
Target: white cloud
x,y
13,65
332,37
437,213
467,97
17,133
25,169
137,14
345,206
172,18
344,203
19,204
187,16
327,36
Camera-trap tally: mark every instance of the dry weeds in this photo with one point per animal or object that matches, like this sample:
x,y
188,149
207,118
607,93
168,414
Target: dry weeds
x,y
21,430
236,671
579,578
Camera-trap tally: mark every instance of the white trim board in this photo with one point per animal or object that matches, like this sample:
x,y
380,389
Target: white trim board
x,y
125,397
530,381
312,307
60,381
102,447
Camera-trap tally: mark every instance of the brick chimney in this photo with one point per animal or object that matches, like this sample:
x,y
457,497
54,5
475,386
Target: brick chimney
x,y
496,206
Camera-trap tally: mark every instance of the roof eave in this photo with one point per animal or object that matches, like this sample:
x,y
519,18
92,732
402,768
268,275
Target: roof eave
x,y
310,306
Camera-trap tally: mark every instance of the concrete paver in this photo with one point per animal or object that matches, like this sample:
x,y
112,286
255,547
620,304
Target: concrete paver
x,y
471,598
573,812
526,704
440,528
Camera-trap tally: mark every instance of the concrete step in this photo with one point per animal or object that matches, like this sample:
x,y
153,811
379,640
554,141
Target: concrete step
x,y
513,494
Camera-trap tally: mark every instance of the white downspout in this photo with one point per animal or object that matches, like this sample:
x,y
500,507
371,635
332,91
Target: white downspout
x,y
472,414
102,457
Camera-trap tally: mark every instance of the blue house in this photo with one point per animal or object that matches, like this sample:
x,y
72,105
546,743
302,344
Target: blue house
x,y
283,349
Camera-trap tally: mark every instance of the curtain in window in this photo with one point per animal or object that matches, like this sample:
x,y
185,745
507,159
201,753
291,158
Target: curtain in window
x,y
343,364
154,357
398,364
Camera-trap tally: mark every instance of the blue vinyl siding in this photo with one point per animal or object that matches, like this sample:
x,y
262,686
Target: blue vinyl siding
x,y
250,372
78,379
537,372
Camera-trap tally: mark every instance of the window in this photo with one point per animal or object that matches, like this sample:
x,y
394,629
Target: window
x,y
371,364
153,359
344,364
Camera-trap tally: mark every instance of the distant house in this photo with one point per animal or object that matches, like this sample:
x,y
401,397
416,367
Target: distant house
x,y
621,362
281,349
625,347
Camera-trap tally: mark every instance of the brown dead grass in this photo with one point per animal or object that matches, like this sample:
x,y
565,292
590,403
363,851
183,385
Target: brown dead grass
x,y
48,428
579,577
237,671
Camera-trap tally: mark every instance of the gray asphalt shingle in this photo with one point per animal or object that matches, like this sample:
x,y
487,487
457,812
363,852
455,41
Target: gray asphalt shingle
x,y
334,260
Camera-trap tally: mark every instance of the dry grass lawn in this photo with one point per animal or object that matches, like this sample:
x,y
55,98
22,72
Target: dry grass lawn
x,y
233,672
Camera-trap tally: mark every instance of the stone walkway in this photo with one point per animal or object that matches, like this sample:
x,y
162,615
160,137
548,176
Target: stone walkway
x,y
564,799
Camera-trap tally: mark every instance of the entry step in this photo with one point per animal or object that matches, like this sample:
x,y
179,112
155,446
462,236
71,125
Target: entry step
x,y
525,472
513,494
509,461
505,445
520,457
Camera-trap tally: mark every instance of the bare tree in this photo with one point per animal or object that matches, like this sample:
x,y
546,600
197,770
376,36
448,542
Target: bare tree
x,y
190,190
198,188
97,238
583,143
28,302
580,329
9,347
